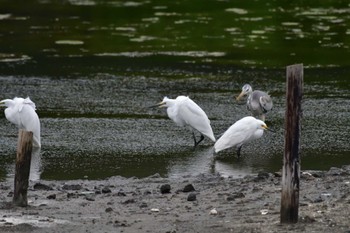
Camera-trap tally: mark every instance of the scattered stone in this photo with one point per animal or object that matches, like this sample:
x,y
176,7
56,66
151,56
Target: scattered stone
x,y
239,195
213,212
334,171
188,188
318,200
106,190
40,186
230,197
71,187
264,211
147,192
121,194
72,195
143,205
129,201
165,188
191,197
108,210
90,198
51,196
307,219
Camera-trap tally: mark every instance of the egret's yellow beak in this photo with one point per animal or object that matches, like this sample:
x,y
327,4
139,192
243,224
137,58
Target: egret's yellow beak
x,y
267,128
240,96
160,105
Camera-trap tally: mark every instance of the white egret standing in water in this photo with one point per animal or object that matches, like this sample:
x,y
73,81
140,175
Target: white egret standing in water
x,y
241,132
21,112
185,112
258,102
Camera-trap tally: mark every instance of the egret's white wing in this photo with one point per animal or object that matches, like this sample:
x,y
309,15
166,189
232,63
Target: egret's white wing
x,y
30,122
29,102
195,117
238,133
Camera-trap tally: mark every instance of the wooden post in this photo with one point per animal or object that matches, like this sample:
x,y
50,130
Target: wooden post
x,y
291,161
23,157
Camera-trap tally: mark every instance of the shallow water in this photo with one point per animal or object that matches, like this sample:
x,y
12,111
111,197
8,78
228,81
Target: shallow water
x,y
93,67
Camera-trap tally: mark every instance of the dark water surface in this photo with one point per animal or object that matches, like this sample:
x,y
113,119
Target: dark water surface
x,y
93,67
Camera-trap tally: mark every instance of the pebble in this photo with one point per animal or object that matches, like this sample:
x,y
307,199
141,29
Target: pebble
x,y
71,187
106,190
188,188
40,186
165,188
143,205
213,212
51,196
191,197
90,198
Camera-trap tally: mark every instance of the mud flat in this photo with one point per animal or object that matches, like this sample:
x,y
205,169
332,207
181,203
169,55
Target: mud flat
x,y
203,203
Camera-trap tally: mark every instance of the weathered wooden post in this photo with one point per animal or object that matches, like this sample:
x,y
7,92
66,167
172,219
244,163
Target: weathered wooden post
x,y
291,161
23,157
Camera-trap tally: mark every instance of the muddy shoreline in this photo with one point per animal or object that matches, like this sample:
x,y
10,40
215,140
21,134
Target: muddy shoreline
x,y
203,203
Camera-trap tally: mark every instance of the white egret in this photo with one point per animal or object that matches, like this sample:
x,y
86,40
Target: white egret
x,y
258,102
21,112
185,112
241,132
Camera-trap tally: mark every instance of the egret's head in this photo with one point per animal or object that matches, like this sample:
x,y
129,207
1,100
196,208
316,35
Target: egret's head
x,y
246,89
6,103
162,104
263,126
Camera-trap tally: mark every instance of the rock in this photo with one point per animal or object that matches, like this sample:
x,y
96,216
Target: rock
x,y
129,201
40,186
317,200
147,192
238,195
106,190
108,210
51,196
307,219
213,212
191,197
71,187
72,195
121,194
90,198
165,188
230,198
143,205
188,188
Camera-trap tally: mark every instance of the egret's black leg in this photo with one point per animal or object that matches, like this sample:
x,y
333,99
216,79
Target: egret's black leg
x,y
239,151
212,163
201,139
194,138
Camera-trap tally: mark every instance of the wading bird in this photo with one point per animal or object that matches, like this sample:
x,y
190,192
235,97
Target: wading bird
x,y
185,112
21,112
258,102
241,132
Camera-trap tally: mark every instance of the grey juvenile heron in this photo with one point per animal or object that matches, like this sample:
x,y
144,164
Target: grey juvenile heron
x,y
258,102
